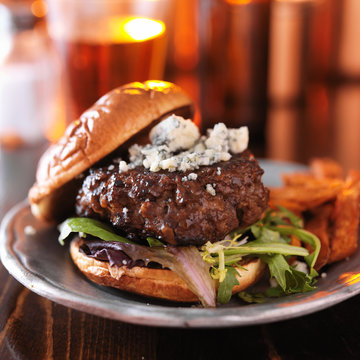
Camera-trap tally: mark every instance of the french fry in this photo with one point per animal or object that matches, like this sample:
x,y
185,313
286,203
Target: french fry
x,y
344,241
323,168
298,179
278,197
294,242
319,224
330,203
310,181
306,196
353,176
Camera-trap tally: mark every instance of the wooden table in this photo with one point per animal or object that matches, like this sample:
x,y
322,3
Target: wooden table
x,y
32,327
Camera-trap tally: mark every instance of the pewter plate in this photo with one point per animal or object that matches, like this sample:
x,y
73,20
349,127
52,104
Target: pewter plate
x,y
42,265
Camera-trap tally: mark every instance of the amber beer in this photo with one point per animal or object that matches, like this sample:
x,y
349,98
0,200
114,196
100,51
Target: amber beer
x,y
234,65
106,54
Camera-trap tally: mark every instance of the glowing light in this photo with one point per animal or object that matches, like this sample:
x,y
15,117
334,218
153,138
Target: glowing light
x,y
314,296
238,2
135,29
142,29
349,278
157,84
39,8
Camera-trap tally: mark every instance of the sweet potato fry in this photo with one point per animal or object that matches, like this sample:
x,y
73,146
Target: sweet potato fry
x,y
346,220
310,181
323,168
331,205
308,195
294,242
297,179
319,224
353,176
288,201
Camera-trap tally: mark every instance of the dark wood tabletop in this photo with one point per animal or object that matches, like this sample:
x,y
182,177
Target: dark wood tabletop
x,y
33,327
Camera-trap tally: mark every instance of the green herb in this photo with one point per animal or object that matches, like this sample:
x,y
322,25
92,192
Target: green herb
x,y
257,298
225,287
91,227
282,216
184,261
271,243
269,239
154,242
306,237
289,279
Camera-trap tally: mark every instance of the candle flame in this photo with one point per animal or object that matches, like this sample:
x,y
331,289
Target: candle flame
x,y
142,29
135,29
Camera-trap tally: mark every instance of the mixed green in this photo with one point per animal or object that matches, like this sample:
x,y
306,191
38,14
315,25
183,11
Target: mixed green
x,y
214,264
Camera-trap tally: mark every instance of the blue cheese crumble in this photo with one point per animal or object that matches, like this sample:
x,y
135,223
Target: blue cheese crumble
x,y
176,145
176,133
210,189
123,166
190,177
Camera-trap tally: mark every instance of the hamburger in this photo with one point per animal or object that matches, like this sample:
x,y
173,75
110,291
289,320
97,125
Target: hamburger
x,y
151,200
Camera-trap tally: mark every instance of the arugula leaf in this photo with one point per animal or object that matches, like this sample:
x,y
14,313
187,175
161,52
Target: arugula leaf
x,y
225,287
225,253
278,267
272,244
185,261
256,230
154,242
282,216
294,220
257,247
274,292
91,227
289,279
269,240
250,298
267,235
308,238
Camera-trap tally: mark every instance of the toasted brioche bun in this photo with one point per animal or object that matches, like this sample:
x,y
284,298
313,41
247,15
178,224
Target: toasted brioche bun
x,y
156,283
109,123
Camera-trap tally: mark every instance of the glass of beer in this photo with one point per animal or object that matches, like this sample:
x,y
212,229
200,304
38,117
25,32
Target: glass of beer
x,y
107,43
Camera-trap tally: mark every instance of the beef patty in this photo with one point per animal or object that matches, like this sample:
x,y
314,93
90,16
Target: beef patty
x,y
173,207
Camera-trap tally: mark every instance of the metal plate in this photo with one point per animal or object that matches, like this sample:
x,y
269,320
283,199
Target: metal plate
x,y
42,265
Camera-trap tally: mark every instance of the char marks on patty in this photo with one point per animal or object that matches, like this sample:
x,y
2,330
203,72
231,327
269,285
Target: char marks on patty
x,y
173,207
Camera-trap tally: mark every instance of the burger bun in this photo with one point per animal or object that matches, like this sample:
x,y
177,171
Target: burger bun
x,y
155,283
113,120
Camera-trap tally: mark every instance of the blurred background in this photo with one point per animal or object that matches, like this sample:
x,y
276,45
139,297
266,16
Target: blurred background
x,y
288,69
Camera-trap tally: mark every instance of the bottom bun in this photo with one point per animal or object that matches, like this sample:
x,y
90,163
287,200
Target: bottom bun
x,y
156,283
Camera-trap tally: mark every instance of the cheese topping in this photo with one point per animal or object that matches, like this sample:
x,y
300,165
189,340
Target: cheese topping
x,y
176,145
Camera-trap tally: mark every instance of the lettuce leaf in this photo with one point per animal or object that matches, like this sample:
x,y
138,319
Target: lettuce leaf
x,y
289,279
250,298
268,239
89,226
154,242
271,242
225,287
185,261
306,237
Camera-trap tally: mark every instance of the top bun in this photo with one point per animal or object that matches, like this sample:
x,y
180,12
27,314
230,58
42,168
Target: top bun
x,y
111,121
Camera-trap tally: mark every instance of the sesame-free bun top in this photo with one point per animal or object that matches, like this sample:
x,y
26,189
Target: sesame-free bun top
x,y
110,122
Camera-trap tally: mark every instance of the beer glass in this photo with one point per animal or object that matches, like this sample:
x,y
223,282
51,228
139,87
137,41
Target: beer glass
x,y
233,61
106,43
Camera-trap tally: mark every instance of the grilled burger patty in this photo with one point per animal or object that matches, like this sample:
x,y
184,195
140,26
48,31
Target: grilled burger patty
x,y
174,207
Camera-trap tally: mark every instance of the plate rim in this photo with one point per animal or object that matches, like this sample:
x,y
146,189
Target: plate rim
x,y
157,315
